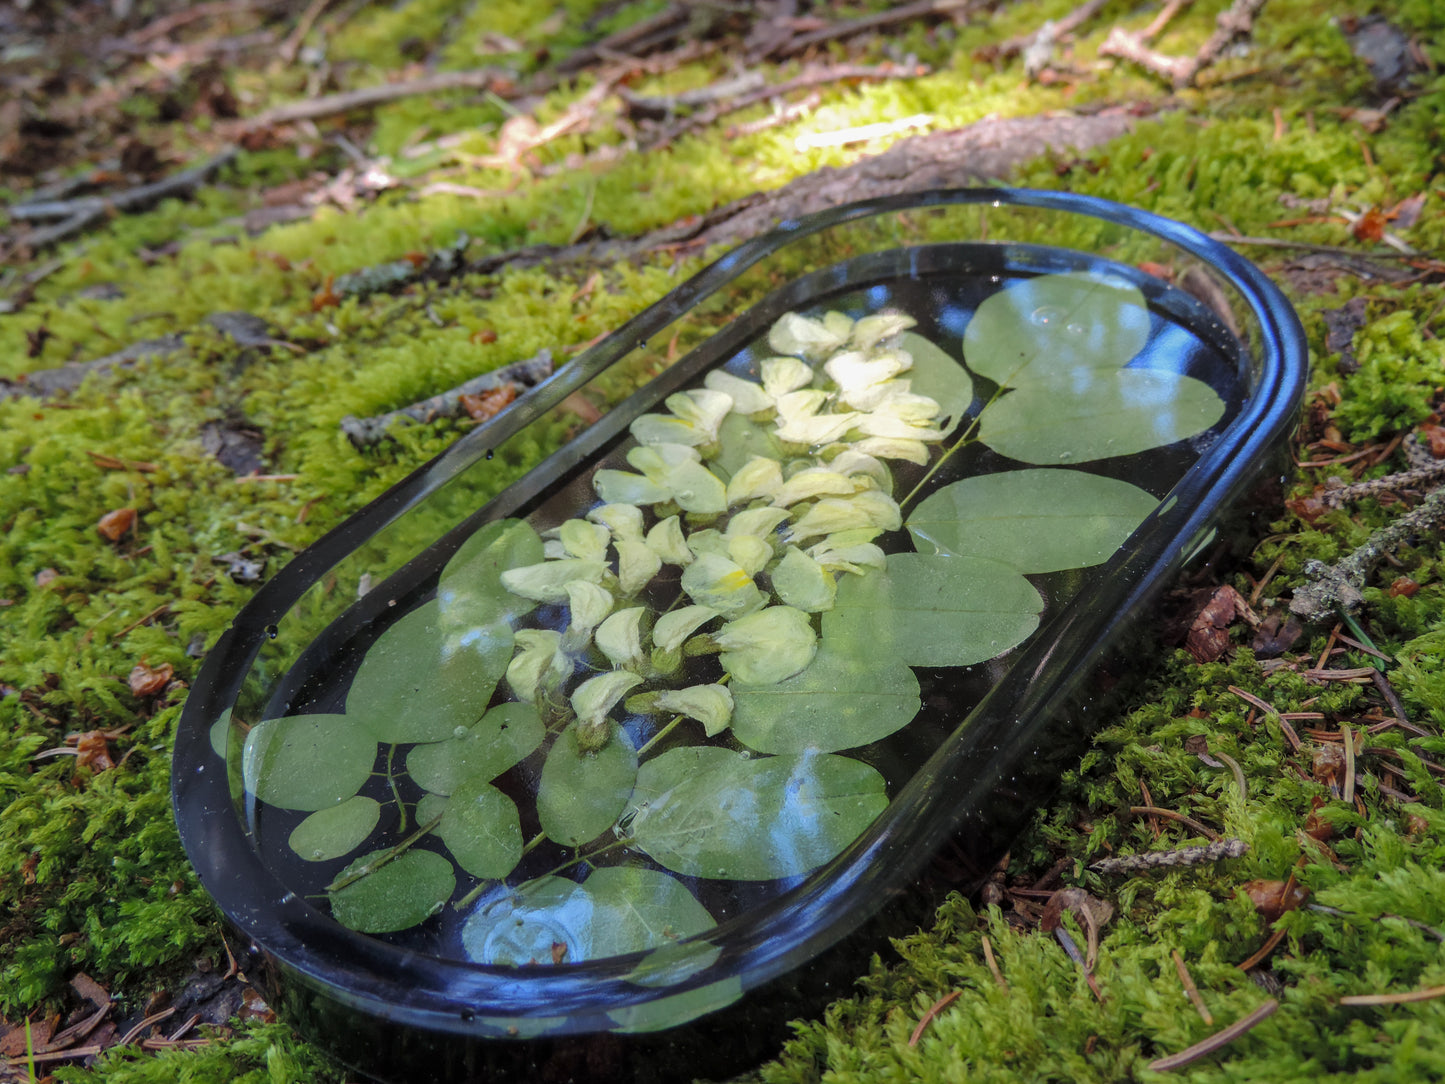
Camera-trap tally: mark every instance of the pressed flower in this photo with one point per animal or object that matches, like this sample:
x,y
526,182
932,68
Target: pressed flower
x,y
669,472
892,426
872,330
620,637
870,508
758,477
748,397
839,324
854,557
667,541
768,646
637,564
547,581
853,463
593,699
803,583
695,417
711,705
799,422
761,522
914,451
541,654
676,626
803,336
750,553
625,487
715,581
784,375
588,604
585,540
707,540
623,520
816,482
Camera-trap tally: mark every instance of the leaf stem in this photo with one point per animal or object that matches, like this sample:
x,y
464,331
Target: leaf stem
x,y
664,732
395,852
966,438
588,857
395,792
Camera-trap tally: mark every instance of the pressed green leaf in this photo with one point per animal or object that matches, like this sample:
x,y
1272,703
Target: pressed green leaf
x,y
503,737
220,734
422,680
470,584
307,762
844,699
739,439
935,610
940,377
402,893
1100,415
429,807
334,831
581,795
662,1013
1054,328
674,963
709,812
1033,520
481,828
639,909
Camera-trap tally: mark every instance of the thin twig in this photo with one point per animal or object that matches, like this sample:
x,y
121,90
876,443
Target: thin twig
x,y
993,965
1190,989
1216,1041
903,13
1264,951
1236,22
1206,832
292,45
1238,774
330,105
933,1010
1429,993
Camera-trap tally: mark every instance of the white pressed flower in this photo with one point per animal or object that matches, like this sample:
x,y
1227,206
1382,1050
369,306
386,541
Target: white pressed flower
x,y
870,508
854,463
620,637
802,336
597,696
758,477
855,369
540,655
884,423
637,564
750,553
675,626
658,460
766,647
839,324
588,604
872,330
854,557
667,541
623,520
784,375
815,429
803,403
761,522
711,705
695,416
547,581
582,539
553,550
676,471
748,397
715,581
622,486
815,482
914,451
803,583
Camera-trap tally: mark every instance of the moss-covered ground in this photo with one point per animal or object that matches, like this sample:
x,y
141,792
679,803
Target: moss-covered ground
x,y
1288,137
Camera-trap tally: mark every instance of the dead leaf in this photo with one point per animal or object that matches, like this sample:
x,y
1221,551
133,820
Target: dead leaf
x,y
1273,898
44,576
326,297
489,403
1403,586
1208,635
254,1007
559,952
114,525
1273,638
1329,766
1407,212
1316,827
145,681
1370,226
1434,437
93,751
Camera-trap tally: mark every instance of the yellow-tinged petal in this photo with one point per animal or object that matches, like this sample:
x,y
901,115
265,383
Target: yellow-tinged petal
x,y
547,581
748,397
854,463
872,330
855,369
620,637
625,487
856,557
540,654
768,646
756,521
869,508
784,375
803,336
818,429
816,482
715,581
588,604
801,582
637,564
708,540
914,451
884,423
585,540
675,626
711,705
623,520
667,541
597,696
758,477
697,489
750,553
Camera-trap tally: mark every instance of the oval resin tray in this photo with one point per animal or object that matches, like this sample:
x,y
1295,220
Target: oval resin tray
x,y
612,749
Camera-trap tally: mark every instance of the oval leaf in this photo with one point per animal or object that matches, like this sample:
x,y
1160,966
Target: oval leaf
x,y
471,581
1053,328
402,893
505,736
844,699
935,610
640,909
581,794
422,679
307,762
708,812
330,833
940,377
481,828
1032,520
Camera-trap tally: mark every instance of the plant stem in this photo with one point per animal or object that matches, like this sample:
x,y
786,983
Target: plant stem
x,y
614,845
395,793
664,732
396,852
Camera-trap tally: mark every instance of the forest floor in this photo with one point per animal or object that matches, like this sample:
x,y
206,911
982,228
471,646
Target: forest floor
x,y
228,227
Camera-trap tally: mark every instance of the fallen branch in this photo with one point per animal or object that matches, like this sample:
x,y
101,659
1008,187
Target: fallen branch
x,y
1328,588
1235,22
1336,495
365,432
331,104
45,383
1183,856
904,13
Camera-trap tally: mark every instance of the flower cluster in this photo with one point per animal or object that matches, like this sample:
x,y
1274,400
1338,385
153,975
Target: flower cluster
x,y
756,549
